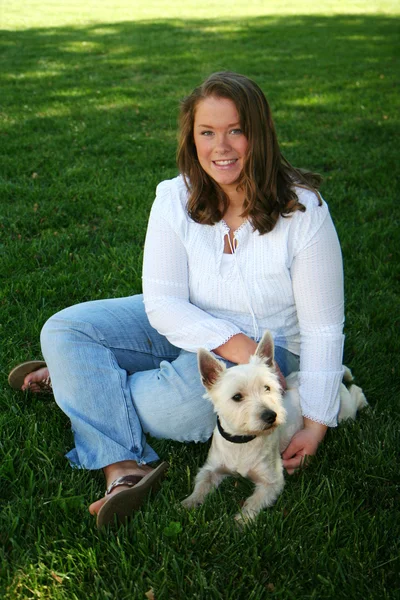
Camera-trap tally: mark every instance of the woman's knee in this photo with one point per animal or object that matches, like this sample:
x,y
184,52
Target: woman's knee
x,y
61,331
170,401
49,332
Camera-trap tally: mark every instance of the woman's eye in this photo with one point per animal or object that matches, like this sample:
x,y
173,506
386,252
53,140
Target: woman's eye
x,y
237,397
206,133
236,131
267,388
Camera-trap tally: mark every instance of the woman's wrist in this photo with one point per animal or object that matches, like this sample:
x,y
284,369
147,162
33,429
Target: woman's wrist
x,y
318,429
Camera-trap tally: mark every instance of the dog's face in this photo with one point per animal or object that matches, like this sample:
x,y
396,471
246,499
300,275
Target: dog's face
x,y
247,398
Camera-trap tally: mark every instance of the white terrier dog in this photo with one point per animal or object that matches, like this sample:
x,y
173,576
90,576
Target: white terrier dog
x,y
255,423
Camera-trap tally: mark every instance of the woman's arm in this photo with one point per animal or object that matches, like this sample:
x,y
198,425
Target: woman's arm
x,y
166,281
317,276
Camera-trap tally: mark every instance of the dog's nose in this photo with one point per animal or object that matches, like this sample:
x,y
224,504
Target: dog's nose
x,y
269,416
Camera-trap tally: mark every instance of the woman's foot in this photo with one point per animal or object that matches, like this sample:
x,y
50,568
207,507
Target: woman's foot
x,y
112,473
123,499
37,381
32,375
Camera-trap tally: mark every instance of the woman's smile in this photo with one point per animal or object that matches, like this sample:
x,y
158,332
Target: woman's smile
x,y
224,164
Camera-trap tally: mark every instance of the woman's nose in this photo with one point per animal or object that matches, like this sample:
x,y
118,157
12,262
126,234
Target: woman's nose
x,y
222,144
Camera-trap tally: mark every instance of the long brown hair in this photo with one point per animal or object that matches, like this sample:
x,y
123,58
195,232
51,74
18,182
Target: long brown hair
x,y
267,179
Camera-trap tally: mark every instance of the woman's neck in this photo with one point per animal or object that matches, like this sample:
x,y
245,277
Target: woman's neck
x,y
236,198
232,215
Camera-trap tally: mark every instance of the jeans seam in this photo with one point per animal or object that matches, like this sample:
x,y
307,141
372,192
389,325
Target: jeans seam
x,y
125,393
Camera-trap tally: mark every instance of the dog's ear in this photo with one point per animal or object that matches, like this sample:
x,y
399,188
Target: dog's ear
x,y
265,349
210,368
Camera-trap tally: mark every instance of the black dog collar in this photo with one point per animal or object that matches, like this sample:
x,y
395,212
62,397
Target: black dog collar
x,y
235,439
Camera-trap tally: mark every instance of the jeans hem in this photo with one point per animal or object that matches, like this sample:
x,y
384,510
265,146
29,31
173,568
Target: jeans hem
x,y
148,456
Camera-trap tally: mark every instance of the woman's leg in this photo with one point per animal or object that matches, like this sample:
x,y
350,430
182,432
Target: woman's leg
x,y
287,361
97,353
90,349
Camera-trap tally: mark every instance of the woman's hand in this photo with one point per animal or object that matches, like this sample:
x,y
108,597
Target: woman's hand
x,y
304,443
239,349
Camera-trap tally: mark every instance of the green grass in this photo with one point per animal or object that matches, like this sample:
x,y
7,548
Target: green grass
x,y
88,108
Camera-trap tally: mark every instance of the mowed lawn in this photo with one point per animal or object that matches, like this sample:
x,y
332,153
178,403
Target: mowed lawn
x,y
89,100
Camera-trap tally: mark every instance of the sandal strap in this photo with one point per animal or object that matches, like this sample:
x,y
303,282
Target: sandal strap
x,y
129,480
45,385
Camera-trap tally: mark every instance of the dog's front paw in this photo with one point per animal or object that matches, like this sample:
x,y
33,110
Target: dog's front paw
x,y
192,501
244,518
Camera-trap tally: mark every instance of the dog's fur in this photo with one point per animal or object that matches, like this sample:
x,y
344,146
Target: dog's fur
x,y
248,400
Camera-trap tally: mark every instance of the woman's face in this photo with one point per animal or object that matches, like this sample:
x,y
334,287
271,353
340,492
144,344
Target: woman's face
x,y
220,143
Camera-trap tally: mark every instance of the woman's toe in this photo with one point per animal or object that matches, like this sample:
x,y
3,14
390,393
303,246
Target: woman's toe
x,y
96,506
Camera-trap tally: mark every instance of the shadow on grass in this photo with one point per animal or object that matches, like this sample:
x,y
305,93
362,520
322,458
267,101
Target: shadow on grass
x,y
86,104
309,67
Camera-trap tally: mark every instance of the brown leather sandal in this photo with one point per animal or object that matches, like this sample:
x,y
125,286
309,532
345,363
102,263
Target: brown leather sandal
x,y
126,502
18,374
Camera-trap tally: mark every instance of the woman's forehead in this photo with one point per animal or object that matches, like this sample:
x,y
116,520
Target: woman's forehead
x,y
216,109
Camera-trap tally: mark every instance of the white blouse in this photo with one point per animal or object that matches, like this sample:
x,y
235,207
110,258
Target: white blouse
x,y
289,281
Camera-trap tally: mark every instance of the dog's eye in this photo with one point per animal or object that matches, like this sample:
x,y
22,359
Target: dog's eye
x,y
267,388
237,397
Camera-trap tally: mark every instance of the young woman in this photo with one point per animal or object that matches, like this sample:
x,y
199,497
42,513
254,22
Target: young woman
x,y
238,243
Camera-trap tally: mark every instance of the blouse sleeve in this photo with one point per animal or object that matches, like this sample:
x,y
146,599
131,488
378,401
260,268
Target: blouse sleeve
x,y
317,276
166,281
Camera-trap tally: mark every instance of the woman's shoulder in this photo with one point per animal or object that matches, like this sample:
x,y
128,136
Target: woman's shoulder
x,y
173,188
171,197
304,225
316,209
310,199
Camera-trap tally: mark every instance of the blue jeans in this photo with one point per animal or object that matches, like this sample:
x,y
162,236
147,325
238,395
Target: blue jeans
x,y
116,379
